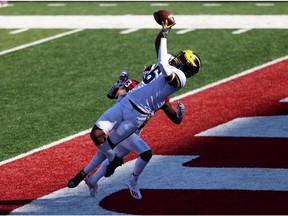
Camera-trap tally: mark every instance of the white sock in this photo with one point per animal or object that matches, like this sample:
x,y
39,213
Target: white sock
x,y
107,150
138,168
99,173
98,158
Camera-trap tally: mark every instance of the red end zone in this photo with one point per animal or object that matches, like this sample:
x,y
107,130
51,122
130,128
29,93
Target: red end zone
x,y
255,94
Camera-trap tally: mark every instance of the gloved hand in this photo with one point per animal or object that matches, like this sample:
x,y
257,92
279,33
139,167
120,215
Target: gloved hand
x,y
166,28
123,77
180,109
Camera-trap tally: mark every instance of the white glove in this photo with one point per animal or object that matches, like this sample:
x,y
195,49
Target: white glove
x,y
180,109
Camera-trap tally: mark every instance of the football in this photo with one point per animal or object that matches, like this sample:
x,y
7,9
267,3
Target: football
x,y
162,15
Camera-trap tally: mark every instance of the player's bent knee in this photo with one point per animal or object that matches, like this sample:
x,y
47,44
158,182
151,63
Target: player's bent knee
x,y
146,156
97,136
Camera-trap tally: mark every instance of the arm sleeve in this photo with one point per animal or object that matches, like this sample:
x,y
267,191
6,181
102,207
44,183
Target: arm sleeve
x,y
163,58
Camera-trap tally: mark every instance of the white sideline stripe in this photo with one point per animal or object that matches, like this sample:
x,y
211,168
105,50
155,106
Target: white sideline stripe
x,y
172,99
128,31
19,31
147,21
240,31
40,41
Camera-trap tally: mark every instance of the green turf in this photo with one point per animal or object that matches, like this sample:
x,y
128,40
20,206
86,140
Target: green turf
x,y
145,8
58,88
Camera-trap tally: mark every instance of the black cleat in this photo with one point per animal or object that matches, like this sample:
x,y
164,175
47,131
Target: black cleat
x,y
117,161
75,181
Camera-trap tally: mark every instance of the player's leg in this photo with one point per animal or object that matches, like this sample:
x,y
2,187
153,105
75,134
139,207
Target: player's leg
x,y
109,120
92,181
145,154
102,126
97,159
133,120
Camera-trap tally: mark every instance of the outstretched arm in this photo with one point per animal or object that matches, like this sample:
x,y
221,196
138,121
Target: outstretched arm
x,y
163,33
163,57
157,42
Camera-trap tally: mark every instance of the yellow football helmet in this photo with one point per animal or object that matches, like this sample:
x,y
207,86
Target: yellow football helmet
x,y
188,62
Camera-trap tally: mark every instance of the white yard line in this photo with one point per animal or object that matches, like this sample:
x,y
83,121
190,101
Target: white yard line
x,y
40,41
212,5
107,5
127,31
240,31
56,5
17,31
265,4
184,31
159,4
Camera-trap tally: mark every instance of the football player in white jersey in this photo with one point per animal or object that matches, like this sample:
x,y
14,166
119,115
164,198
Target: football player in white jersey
x,y
134,110
132,143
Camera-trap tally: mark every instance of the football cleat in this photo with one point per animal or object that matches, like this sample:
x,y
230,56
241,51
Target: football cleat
x,y
92,188
75,181
134,189
117,161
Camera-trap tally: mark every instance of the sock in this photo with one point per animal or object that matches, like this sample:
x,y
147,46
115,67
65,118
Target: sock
x,y
138,168
99,173
98,158
134,177
107,150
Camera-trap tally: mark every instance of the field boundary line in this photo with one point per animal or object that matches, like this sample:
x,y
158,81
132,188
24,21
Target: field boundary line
x,y
132,21
40,41
172,99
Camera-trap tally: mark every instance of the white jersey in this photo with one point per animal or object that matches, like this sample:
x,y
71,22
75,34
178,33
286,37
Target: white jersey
x,y
149,98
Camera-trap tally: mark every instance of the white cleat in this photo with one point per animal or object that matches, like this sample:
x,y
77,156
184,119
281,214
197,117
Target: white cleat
x,y
134,189
92,188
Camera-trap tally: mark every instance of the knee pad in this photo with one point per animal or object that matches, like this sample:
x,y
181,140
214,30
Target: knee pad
x,y
146,156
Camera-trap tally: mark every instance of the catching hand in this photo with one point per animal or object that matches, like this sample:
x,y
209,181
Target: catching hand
x,y
166,28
